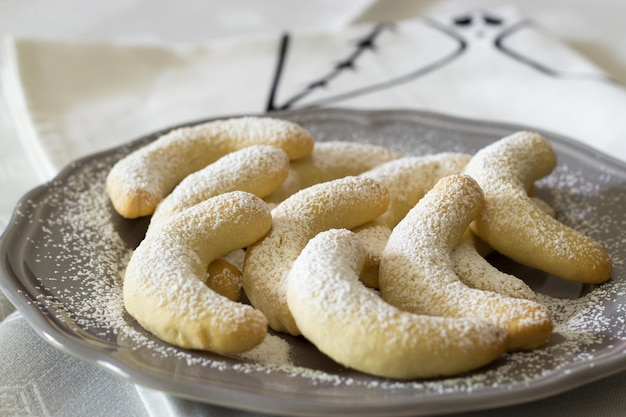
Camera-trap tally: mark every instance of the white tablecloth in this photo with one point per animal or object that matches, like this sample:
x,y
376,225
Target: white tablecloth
x,y
80,79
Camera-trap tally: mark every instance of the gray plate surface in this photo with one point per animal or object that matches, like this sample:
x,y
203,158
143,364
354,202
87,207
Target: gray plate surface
x,y
65,251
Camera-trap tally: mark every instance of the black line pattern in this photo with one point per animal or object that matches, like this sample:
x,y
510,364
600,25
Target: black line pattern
x,y
368,44
499,44
461,47
282,54
348,64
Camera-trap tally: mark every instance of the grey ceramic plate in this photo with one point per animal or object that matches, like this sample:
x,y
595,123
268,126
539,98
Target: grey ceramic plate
x,y
65,250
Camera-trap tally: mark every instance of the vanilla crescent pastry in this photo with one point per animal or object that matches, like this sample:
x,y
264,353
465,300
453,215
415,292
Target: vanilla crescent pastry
x,y
329,161
358,329
258,169
163,285
225,279
342,203
475,271
407,180
505,170
139,181
417,271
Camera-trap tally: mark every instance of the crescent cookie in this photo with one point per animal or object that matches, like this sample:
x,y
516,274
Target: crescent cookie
x,y
138,182
505,170
258,169
225,279
474,270
163,284
356,328
417,271
329,161
407,180
342,203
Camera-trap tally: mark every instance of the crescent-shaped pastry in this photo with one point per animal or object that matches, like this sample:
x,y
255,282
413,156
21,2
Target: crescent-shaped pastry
x,y
164,287
407,180
139,181
354,326
518,228
417,271
343,203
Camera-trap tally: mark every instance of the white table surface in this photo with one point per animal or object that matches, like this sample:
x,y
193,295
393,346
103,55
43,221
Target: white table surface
x,y
594,29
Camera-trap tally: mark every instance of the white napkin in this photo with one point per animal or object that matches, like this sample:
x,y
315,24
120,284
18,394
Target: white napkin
x,y
71,99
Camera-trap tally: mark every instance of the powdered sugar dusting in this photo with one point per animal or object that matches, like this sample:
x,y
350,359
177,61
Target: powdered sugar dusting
x,y
75,249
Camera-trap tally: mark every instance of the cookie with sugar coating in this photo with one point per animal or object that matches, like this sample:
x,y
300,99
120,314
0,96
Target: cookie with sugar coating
x,y
417,270
342,203
506,170
257,169
139,181
475,271
407,180
164,288
225,279
354,326
329,161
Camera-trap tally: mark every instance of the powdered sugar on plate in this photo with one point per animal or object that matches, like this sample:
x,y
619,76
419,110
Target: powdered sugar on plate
x,y
68,250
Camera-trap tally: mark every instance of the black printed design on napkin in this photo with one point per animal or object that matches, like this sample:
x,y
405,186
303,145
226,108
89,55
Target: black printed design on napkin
x,y
499,43
368,43
364,45
461,30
